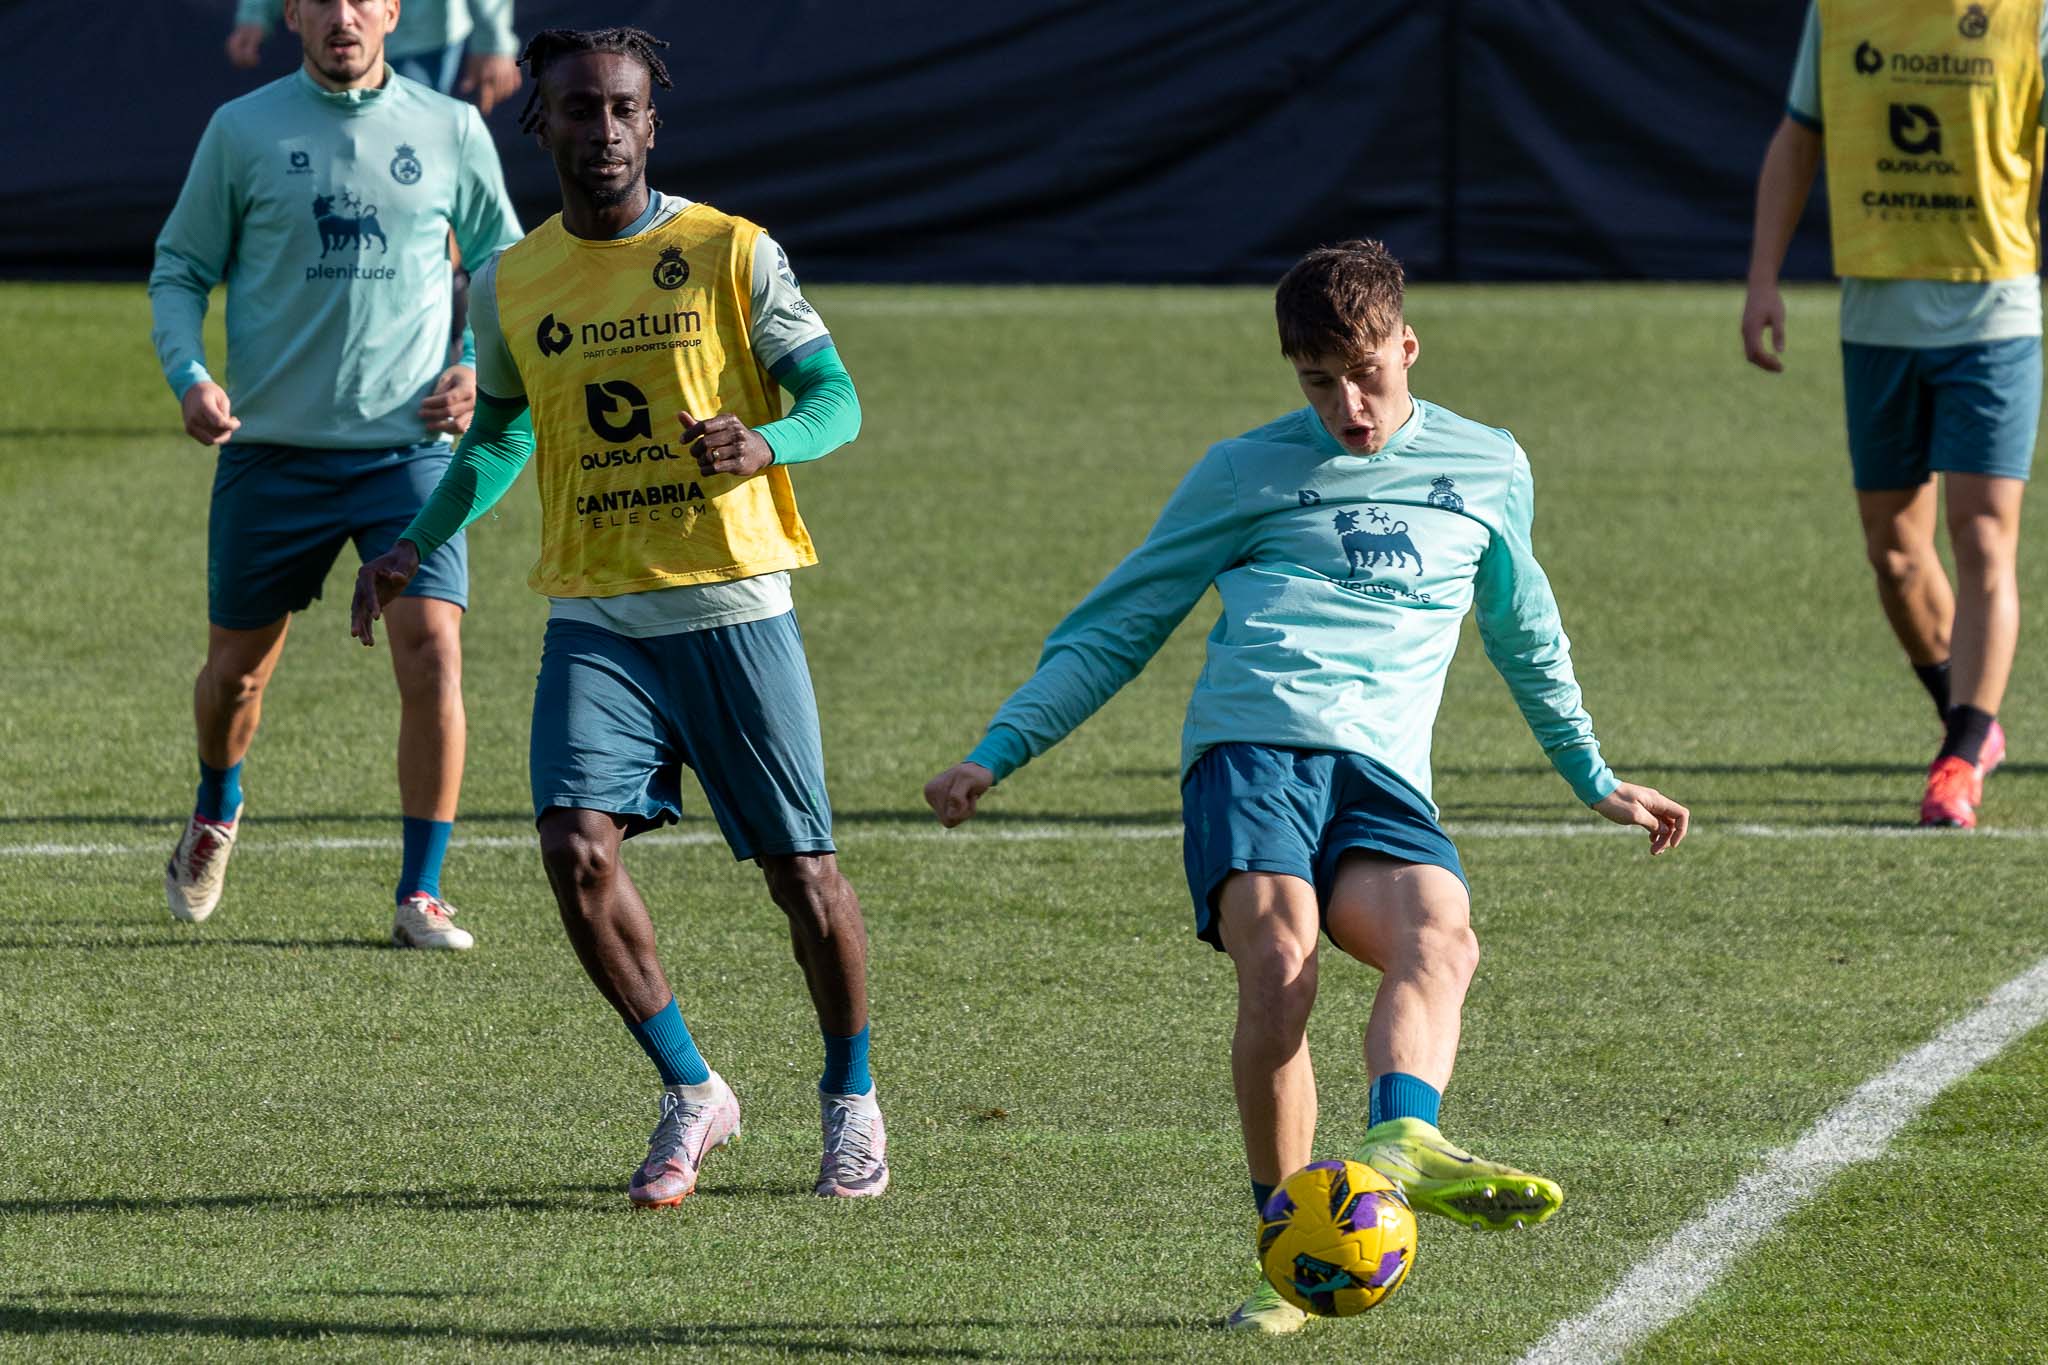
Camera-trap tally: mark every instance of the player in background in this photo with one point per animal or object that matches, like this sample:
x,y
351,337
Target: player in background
x,y
636,342
459,47
1347,540
325,201
1929,115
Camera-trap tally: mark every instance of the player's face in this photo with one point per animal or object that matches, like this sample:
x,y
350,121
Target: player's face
x,y
343,39
599,123
1362,399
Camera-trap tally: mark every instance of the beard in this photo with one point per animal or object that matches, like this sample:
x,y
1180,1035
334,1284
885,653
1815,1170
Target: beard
x,y
605,196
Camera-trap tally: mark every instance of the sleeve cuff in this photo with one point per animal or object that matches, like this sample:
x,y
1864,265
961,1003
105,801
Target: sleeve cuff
x,y
185,376
1593,787
1002,751
1810,122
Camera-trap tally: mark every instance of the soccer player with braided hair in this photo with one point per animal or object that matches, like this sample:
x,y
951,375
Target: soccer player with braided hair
x,y
636,346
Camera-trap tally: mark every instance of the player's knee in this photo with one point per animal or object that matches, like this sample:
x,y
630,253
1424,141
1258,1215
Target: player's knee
x,y
231,687
804,886
1984,552
1277,981
577,863
1893,565
1442,947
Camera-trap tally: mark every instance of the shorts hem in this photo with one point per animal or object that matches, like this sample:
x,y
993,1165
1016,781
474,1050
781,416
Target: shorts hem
x,y
784,849
638,820
1209,924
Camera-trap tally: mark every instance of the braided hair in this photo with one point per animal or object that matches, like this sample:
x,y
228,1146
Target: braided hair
x,y
550,44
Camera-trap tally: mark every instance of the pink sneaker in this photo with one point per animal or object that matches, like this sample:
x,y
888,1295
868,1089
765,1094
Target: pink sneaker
x,y
856,1160
694,1120
1954,787
198,868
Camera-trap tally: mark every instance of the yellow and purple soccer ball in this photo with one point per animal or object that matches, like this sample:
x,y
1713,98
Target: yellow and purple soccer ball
x,y
1336,1238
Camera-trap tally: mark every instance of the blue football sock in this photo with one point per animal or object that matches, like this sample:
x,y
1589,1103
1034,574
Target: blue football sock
x,y
1398,1095
220,792
846,1065
426,843
1261,1192
668,1043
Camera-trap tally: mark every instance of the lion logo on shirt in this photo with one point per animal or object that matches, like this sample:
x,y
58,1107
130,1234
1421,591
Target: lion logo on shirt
x,y
346,228
1387,543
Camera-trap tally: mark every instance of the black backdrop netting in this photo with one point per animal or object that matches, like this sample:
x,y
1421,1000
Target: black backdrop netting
x,y
1025,140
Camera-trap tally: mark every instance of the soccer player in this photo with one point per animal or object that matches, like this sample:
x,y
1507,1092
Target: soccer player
x,y
1929,115
637,341
459,47
1347,540
325,201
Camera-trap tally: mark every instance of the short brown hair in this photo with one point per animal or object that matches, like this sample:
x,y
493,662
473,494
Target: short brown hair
x,y
1339,300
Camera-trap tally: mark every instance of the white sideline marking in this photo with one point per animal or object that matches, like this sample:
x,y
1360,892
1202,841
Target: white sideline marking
x,y
859,832
1665,1284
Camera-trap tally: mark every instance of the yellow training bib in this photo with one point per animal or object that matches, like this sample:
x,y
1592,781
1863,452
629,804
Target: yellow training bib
x,y
1933,135
612,339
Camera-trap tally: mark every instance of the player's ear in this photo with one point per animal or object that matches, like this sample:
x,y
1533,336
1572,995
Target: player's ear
x,y
1410,346
291,15
391,15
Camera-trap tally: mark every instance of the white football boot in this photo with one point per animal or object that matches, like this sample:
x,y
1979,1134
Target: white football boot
x,y
426,921
198,868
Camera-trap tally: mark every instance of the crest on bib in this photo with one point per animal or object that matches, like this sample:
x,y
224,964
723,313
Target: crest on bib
x,y
671,271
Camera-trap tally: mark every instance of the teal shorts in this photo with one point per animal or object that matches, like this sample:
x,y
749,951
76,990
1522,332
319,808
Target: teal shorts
x,y
1296,812
281,514
617,718
1916,412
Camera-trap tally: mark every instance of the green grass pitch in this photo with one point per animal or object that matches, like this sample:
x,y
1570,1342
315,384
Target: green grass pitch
x,y
275,1136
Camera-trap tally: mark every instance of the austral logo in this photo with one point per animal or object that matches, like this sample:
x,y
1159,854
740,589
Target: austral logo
x,y
671,271
1915,130
1382,541
405,166
600,401
301,163
552,337
1975,23
1869,61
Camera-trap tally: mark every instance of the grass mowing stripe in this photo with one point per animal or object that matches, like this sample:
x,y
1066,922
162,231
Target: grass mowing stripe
x,y
1012,834
1663,1286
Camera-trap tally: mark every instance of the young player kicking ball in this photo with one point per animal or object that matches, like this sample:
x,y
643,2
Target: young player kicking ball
x,y
1347,541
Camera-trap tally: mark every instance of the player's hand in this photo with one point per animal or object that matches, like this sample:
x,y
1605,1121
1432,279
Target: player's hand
x,y
449,406
377,582
1647,808
1764,311
726,445
245,44
953,793
208,419
490,76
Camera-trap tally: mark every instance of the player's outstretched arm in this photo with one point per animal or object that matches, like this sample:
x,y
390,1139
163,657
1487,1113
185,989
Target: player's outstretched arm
x,y
954,793
1647,808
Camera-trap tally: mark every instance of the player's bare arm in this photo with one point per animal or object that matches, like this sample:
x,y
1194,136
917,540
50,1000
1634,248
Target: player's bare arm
x,y
1649,809
954,793
491,77
449,405
377,582
209,419
726,445
245,45
1781,190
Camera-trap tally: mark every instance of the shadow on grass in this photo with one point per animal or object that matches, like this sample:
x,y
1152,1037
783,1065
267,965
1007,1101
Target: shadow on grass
x,y
193,940
1654,767
176,818
549,1199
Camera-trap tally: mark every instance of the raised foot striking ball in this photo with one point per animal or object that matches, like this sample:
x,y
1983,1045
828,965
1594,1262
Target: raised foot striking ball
x,y
1336,1238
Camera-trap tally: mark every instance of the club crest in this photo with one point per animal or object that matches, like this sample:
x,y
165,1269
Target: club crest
x,y
1440,494
405,167
671,271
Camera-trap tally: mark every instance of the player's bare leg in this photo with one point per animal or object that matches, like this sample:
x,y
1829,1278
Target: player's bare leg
x,y
1912,586
1269,925
426,659
227,704
830,940
1413,922
613,935
1984,530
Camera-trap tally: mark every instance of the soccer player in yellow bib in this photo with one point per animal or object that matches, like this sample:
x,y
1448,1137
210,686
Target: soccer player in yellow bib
x,y
638,342
1928,113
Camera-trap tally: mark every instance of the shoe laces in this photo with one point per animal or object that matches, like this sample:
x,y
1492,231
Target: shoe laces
x,y
849,1134
678,1117
437,912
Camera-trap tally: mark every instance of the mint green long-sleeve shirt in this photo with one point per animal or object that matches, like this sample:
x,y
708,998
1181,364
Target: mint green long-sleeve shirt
x,y
328,215
1343,579
423,25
